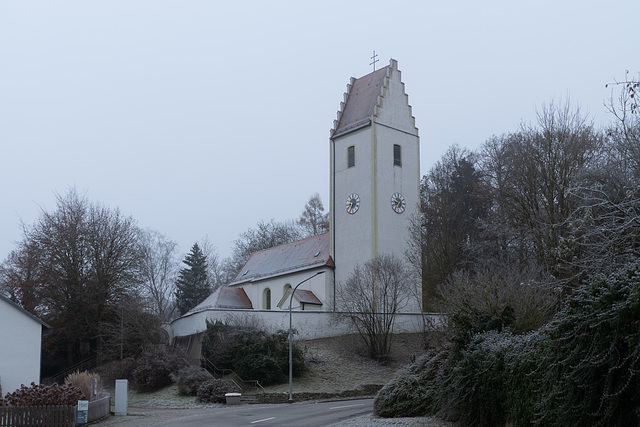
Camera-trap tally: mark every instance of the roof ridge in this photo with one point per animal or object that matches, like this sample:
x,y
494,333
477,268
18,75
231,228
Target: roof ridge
x,y
315,236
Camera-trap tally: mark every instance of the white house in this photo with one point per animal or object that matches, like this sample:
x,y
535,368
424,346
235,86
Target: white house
x,y
374,192
20,346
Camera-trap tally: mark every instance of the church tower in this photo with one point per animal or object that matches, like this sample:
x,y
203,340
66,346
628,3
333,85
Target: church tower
x,y
375,171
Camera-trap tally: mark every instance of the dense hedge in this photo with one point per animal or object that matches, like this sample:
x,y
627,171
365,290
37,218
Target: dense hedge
x,y
580,369
154,368
253,354
190,378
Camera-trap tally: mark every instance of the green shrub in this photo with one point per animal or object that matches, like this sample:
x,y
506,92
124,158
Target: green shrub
x,y
251,353
190,378
44,395
213,390
153,370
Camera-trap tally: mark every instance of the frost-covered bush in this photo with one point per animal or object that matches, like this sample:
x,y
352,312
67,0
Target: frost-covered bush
x,y
214,390
153,370
590,361
474,390
495,299
415,390
190,378
44,395
580,369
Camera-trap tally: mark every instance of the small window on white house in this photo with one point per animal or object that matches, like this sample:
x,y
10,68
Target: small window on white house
x,y
397,155
351,156
266,299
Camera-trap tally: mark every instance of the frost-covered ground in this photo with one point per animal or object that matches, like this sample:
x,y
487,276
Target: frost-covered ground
x,y
334,365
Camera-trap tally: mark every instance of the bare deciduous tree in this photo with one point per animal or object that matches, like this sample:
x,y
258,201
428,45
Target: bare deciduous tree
x,y
87,264
19,278
606,221
313,219
372,297
158,269
531,178
215,272
452,200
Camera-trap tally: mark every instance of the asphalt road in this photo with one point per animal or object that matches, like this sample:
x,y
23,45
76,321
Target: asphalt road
x,y
302,414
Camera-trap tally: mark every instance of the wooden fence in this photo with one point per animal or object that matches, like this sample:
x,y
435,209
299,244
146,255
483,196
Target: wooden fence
x,y
38,416
51,416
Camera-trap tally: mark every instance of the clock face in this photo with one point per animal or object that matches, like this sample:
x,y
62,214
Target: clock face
x,y
398,203
353,203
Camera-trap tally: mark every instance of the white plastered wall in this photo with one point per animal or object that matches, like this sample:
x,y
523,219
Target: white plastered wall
x,y
20,347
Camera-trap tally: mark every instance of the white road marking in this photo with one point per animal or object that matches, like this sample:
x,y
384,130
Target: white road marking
x,y
259,421
347,406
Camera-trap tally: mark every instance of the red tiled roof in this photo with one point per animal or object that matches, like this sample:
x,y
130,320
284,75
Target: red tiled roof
x,y
225,297
361,101
285,259
306,297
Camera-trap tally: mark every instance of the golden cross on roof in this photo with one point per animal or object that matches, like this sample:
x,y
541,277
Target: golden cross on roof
x,y
375,59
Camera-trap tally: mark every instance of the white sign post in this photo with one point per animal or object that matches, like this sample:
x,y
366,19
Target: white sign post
x,y
83,411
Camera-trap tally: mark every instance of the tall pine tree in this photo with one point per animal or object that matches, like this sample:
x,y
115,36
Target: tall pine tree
x,y
192,286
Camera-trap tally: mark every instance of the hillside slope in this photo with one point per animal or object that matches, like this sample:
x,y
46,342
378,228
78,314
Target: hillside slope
x,y
340,364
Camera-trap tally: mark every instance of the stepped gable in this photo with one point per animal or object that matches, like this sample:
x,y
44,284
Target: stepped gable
x,y
300,255
364,98
360,101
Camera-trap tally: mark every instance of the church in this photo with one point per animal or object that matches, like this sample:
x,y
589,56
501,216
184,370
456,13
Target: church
x,y
374,194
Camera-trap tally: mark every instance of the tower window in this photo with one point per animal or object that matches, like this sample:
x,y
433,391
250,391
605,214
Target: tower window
x,y
397,155
266,302
351,156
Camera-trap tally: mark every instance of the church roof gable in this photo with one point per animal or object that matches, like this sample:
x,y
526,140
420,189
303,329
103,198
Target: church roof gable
x,y
360,101
284,259
364,100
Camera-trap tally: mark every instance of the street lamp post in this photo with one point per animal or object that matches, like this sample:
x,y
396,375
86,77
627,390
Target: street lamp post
x,y
291,335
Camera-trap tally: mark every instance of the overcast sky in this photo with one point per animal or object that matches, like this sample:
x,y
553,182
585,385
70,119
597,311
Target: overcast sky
x,y
201,118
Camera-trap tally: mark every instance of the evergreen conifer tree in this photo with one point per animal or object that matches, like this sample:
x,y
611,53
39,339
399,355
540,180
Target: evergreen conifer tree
x,y
192,286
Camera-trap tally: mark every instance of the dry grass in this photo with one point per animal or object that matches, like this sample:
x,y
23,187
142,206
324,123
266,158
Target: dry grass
x,y
84,380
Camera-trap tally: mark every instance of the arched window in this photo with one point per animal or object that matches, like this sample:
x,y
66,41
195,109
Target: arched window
x,y
266,299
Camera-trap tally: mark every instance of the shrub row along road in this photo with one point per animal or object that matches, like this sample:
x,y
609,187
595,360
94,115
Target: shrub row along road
x,y
304,414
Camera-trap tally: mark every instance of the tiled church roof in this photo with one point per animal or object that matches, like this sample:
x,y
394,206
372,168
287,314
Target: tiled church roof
x,y
225,297
360,102
285,259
